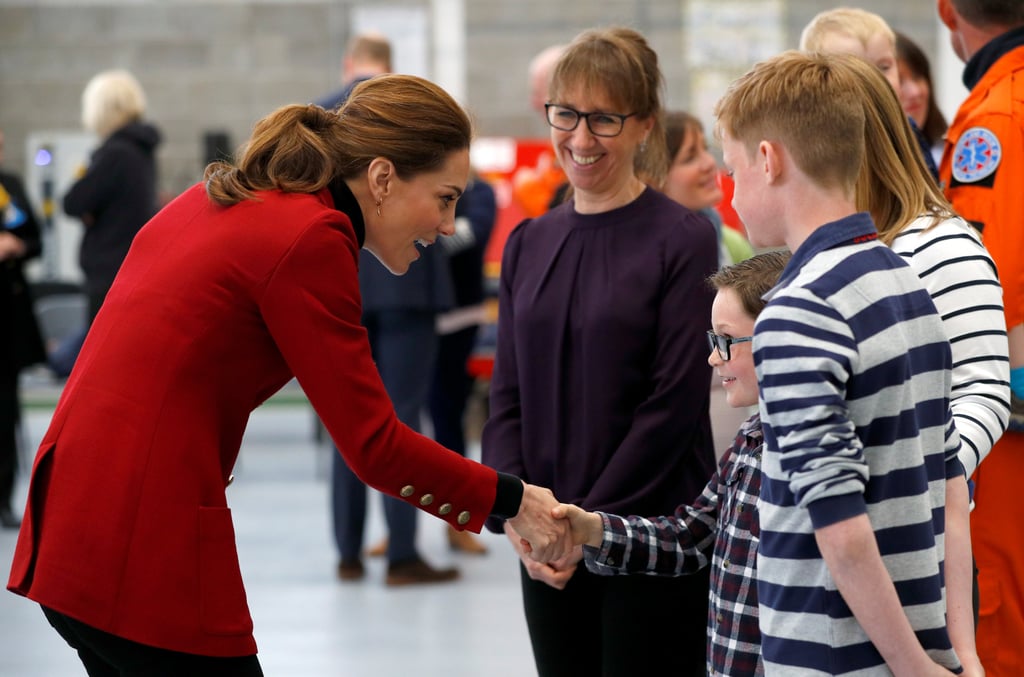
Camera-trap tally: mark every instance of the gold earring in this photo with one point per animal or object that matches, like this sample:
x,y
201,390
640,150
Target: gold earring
x,y
380,201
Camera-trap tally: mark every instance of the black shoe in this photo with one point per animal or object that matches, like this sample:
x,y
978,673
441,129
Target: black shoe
x,y
8,520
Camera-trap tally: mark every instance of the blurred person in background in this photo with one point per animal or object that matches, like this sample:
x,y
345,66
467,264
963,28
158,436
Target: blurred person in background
x,y
692,181
917,93
117,194
475,214
851,30
538,188
366,55
21,344
399,313
982,173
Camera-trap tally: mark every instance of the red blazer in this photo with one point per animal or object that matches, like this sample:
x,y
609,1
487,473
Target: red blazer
x,y
127,526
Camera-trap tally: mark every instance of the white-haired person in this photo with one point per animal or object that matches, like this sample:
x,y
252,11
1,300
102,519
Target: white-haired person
x,y
117,192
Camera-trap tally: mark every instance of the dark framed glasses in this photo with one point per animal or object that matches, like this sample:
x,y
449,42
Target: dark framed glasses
x,y
600,124
722,343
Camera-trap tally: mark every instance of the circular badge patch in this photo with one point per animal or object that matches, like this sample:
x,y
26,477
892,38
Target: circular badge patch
x,y
976,156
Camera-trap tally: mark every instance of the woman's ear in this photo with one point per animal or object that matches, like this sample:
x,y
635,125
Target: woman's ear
x,y
380,172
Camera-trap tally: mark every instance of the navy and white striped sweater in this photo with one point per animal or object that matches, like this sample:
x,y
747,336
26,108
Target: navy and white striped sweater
x,y
854,373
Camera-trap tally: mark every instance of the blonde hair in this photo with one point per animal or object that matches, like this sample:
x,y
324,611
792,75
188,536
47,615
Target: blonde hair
x,y
619,62
849,21
806,103
302,148
111,100
370,48
894,185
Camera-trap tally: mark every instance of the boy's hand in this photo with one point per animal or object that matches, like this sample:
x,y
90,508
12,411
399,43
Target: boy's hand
x,y
586,528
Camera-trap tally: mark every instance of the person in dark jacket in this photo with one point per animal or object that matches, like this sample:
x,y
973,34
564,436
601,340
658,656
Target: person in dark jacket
x,y
20,341
117,193
475,214
399,315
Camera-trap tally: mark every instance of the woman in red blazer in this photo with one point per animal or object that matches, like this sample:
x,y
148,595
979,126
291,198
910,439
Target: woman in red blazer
x,y
239,284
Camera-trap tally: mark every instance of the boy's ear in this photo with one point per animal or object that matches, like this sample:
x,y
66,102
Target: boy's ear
x,y
770,154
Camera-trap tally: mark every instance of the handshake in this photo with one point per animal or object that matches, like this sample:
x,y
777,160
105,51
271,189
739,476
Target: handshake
x,y
547,530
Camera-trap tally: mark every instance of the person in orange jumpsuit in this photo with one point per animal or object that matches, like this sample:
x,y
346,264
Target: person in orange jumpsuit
x,y
982,171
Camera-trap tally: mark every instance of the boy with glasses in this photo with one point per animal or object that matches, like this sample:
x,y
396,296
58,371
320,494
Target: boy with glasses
x,y
721,527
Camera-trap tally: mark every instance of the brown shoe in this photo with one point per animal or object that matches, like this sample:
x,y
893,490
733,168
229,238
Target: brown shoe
x,y
463,541
378,549
416,572
350,570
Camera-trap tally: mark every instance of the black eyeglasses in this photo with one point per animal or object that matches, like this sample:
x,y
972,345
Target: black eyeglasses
x,y
600,124
722,343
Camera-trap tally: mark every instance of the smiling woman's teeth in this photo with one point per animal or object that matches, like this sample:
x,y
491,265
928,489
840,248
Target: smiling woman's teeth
x,y
424,243
584,159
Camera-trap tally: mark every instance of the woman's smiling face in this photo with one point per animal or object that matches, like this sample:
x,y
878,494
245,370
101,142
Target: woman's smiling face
x,y
416,210
597,166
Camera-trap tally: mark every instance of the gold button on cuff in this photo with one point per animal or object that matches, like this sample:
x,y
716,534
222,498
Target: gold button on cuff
x,y
444,509
426,499
231,478
463,517
407,490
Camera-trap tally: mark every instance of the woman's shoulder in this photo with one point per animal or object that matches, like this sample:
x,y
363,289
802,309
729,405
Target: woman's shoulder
x,y
664,212
932,230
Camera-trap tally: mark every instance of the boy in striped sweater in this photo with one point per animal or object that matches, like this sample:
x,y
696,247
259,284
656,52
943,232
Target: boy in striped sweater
x,y
863,505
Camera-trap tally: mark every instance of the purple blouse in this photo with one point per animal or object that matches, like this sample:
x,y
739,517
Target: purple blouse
x,y
601,383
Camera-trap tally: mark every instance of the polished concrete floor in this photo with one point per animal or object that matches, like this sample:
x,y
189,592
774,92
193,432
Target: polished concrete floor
x,y
307,624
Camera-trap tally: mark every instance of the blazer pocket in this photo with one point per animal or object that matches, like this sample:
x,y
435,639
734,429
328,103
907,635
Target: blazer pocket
x,y
223,609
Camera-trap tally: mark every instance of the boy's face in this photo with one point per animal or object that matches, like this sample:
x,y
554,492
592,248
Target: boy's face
x,y
879,51
749,197
728,318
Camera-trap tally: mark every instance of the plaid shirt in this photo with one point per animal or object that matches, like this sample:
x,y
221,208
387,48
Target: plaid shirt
x,y
722,523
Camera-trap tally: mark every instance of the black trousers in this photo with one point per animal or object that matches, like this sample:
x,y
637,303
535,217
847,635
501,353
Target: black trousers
x,y
451,387
9,416
106,655
618,626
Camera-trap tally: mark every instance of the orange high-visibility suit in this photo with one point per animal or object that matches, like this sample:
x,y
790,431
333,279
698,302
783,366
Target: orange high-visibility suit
x,y
983,175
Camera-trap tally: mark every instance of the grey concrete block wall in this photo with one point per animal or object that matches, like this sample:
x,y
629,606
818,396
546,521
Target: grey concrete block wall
x,y
219,65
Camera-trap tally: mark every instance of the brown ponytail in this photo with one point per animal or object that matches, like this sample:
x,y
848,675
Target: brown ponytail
x,y
294,149
301,148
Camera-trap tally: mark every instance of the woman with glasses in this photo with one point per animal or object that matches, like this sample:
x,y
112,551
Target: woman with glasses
x,y
600,390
